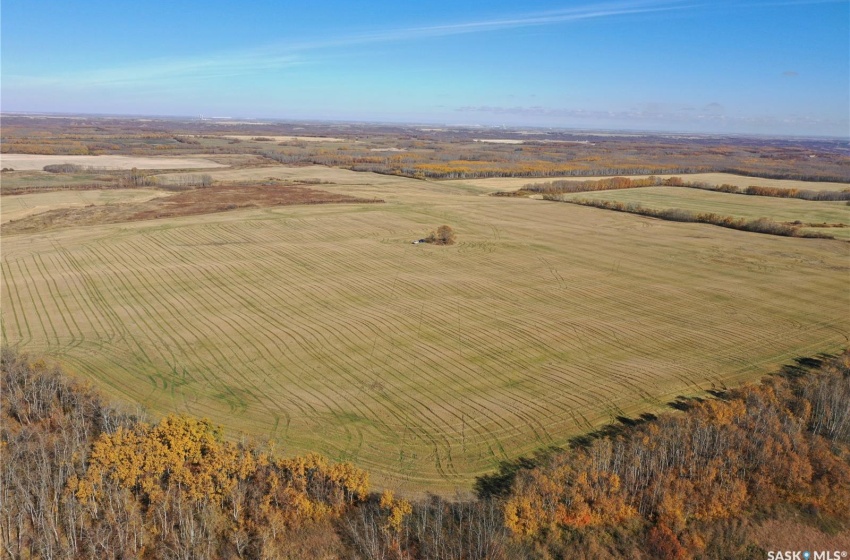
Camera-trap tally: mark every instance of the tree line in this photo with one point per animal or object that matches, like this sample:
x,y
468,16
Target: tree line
x,y
752,452
83,478
614,183
758,225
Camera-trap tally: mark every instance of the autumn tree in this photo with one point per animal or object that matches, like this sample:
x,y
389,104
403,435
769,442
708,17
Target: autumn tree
x,y
444,235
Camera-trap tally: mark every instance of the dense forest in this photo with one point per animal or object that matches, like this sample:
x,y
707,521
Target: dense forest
x,y
82,478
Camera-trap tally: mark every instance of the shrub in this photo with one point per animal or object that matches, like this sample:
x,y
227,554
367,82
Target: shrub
x,y
444,235
62,168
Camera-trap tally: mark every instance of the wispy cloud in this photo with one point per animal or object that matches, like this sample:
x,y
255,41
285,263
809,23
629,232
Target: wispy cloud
x,y
577,13
281,56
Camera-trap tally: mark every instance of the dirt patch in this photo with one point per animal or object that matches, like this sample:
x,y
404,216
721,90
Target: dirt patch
x,y
189,203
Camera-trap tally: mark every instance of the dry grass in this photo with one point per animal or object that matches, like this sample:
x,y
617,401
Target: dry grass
x,y
30,162
323,328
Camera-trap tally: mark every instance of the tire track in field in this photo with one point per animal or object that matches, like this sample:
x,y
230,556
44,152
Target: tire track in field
x,y
244,301
325,345
221,287
111,329
56,296
118,281
235,400
411,366
177,340
23,271
13,295
83,308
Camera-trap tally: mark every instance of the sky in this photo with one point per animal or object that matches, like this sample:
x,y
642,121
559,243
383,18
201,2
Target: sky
x,y
768,67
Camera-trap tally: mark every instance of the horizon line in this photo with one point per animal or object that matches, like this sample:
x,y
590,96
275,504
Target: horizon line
x,y
513,127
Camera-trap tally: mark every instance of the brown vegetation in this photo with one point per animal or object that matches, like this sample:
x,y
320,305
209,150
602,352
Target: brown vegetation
x,y
196,201
444,235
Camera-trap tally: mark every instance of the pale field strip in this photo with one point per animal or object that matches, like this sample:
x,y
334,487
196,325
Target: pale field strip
x,y
322,326
535,141
287,138
34,162
19,206
725,204
499,141
513,183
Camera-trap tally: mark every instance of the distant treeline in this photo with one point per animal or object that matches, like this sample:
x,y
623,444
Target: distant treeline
x,y
448,153
614,183
82,479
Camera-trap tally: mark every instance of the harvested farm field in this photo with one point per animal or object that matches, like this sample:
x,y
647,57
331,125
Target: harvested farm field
x,y
321,327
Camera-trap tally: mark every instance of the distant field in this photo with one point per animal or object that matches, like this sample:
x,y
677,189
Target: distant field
x,y
353,182
31,180
288,138
323,328
506,183
20,206
31,162
738,206
499,140
278,172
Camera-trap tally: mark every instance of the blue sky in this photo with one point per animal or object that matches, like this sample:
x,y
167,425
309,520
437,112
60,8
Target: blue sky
x,y
727,66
